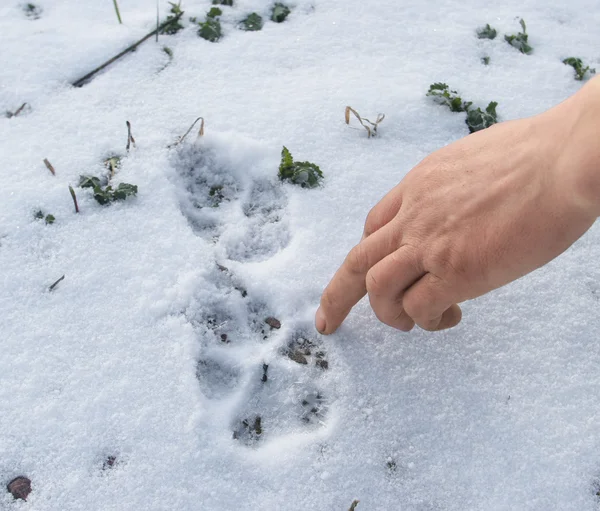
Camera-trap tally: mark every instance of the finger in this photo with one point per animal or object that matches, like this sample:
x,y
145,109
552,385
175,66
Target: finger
x,y
431,303
386,283
383,212
348,285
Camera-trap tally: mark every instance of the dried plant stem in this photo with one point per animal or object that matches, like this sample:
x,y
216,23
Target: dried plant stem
x,y
74,199
353,506
84,79
371,131
49,166
200,132
117,11
130,139
51,288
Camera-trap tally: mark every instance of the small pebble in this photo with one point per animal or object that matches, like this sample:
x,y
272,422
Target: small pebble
x,y
273,323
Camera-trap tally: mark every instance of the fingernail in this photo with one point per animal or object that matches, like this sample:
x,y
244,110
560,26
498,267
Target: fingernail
x,y
320,321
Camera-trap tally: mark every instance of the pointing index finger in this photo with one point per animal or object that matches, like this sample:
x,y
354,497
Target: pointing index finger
x,y
348,285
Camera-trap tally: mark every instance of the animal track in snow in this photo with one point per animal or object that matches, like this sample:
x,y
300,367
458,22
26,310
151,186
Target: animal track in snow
x,y
263,379
224,204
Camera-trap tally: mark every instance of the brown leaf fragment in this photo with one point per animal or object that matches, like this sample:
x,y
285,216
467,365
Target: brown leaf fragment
x,y
20,487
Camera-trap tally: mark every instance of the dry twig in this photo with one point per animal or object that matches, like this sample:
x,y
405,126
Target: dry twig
x,y
51,288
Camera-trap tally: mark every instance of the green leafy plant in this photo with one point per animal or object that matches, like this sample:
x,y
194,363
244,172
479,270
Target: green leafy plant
x,y
443,95
485,61
252,23
172,24
487,32
520,40
210,29
303,173
32,11
39,215
214,12
106,195
479,119
223,2
280,12
578,66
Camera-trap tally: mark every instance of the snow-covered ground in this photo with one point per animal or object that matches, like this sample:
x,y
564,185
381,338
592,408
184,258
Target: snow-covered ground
x,y
137,383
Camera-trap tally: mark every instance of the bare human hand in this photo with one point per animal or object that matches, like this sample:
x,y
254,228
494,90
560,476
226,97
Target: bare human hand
x,y
474,216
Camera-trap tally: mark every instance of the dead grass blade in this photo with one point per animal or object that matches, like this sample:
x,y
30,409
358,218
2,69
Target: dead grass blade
x,y
200,132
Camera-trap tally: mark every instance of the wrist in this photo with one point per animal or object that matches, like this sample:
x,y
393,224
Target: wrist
x,y
578,161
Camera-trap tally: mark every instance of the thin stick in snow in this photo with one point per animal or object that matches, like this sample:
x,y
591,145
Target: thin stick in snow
x,y
49,166
51,288
85,79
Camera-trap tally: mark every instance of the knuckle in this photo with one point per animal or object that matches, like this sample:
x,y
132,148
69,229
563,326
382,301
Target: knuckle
x,y
357,260
448,261
371,222
375,286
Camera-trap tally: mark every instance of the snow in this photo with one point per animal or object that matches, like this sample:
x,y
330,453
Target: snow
x,y
125,358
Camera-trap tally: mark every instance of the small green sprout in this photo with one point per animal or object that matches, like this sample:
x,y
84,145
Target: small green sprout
x,y
252,23
32,11
214,12
39,215
485,61
105,195
172,24
444,96
303,173
88,181
280,12
108,195
519,40
578,66
486,32
210,30
479,120
223,2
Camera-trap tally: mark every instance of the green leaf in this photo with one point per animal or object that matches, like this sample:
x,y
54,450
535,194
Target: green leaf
x,y
303,173
485,61
486,32
102,196
38,215
578,66
172,24
123,191
520,40
50,219
210,30
88,181
280,12
214,12
223,2
252,23
450,98
478,119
